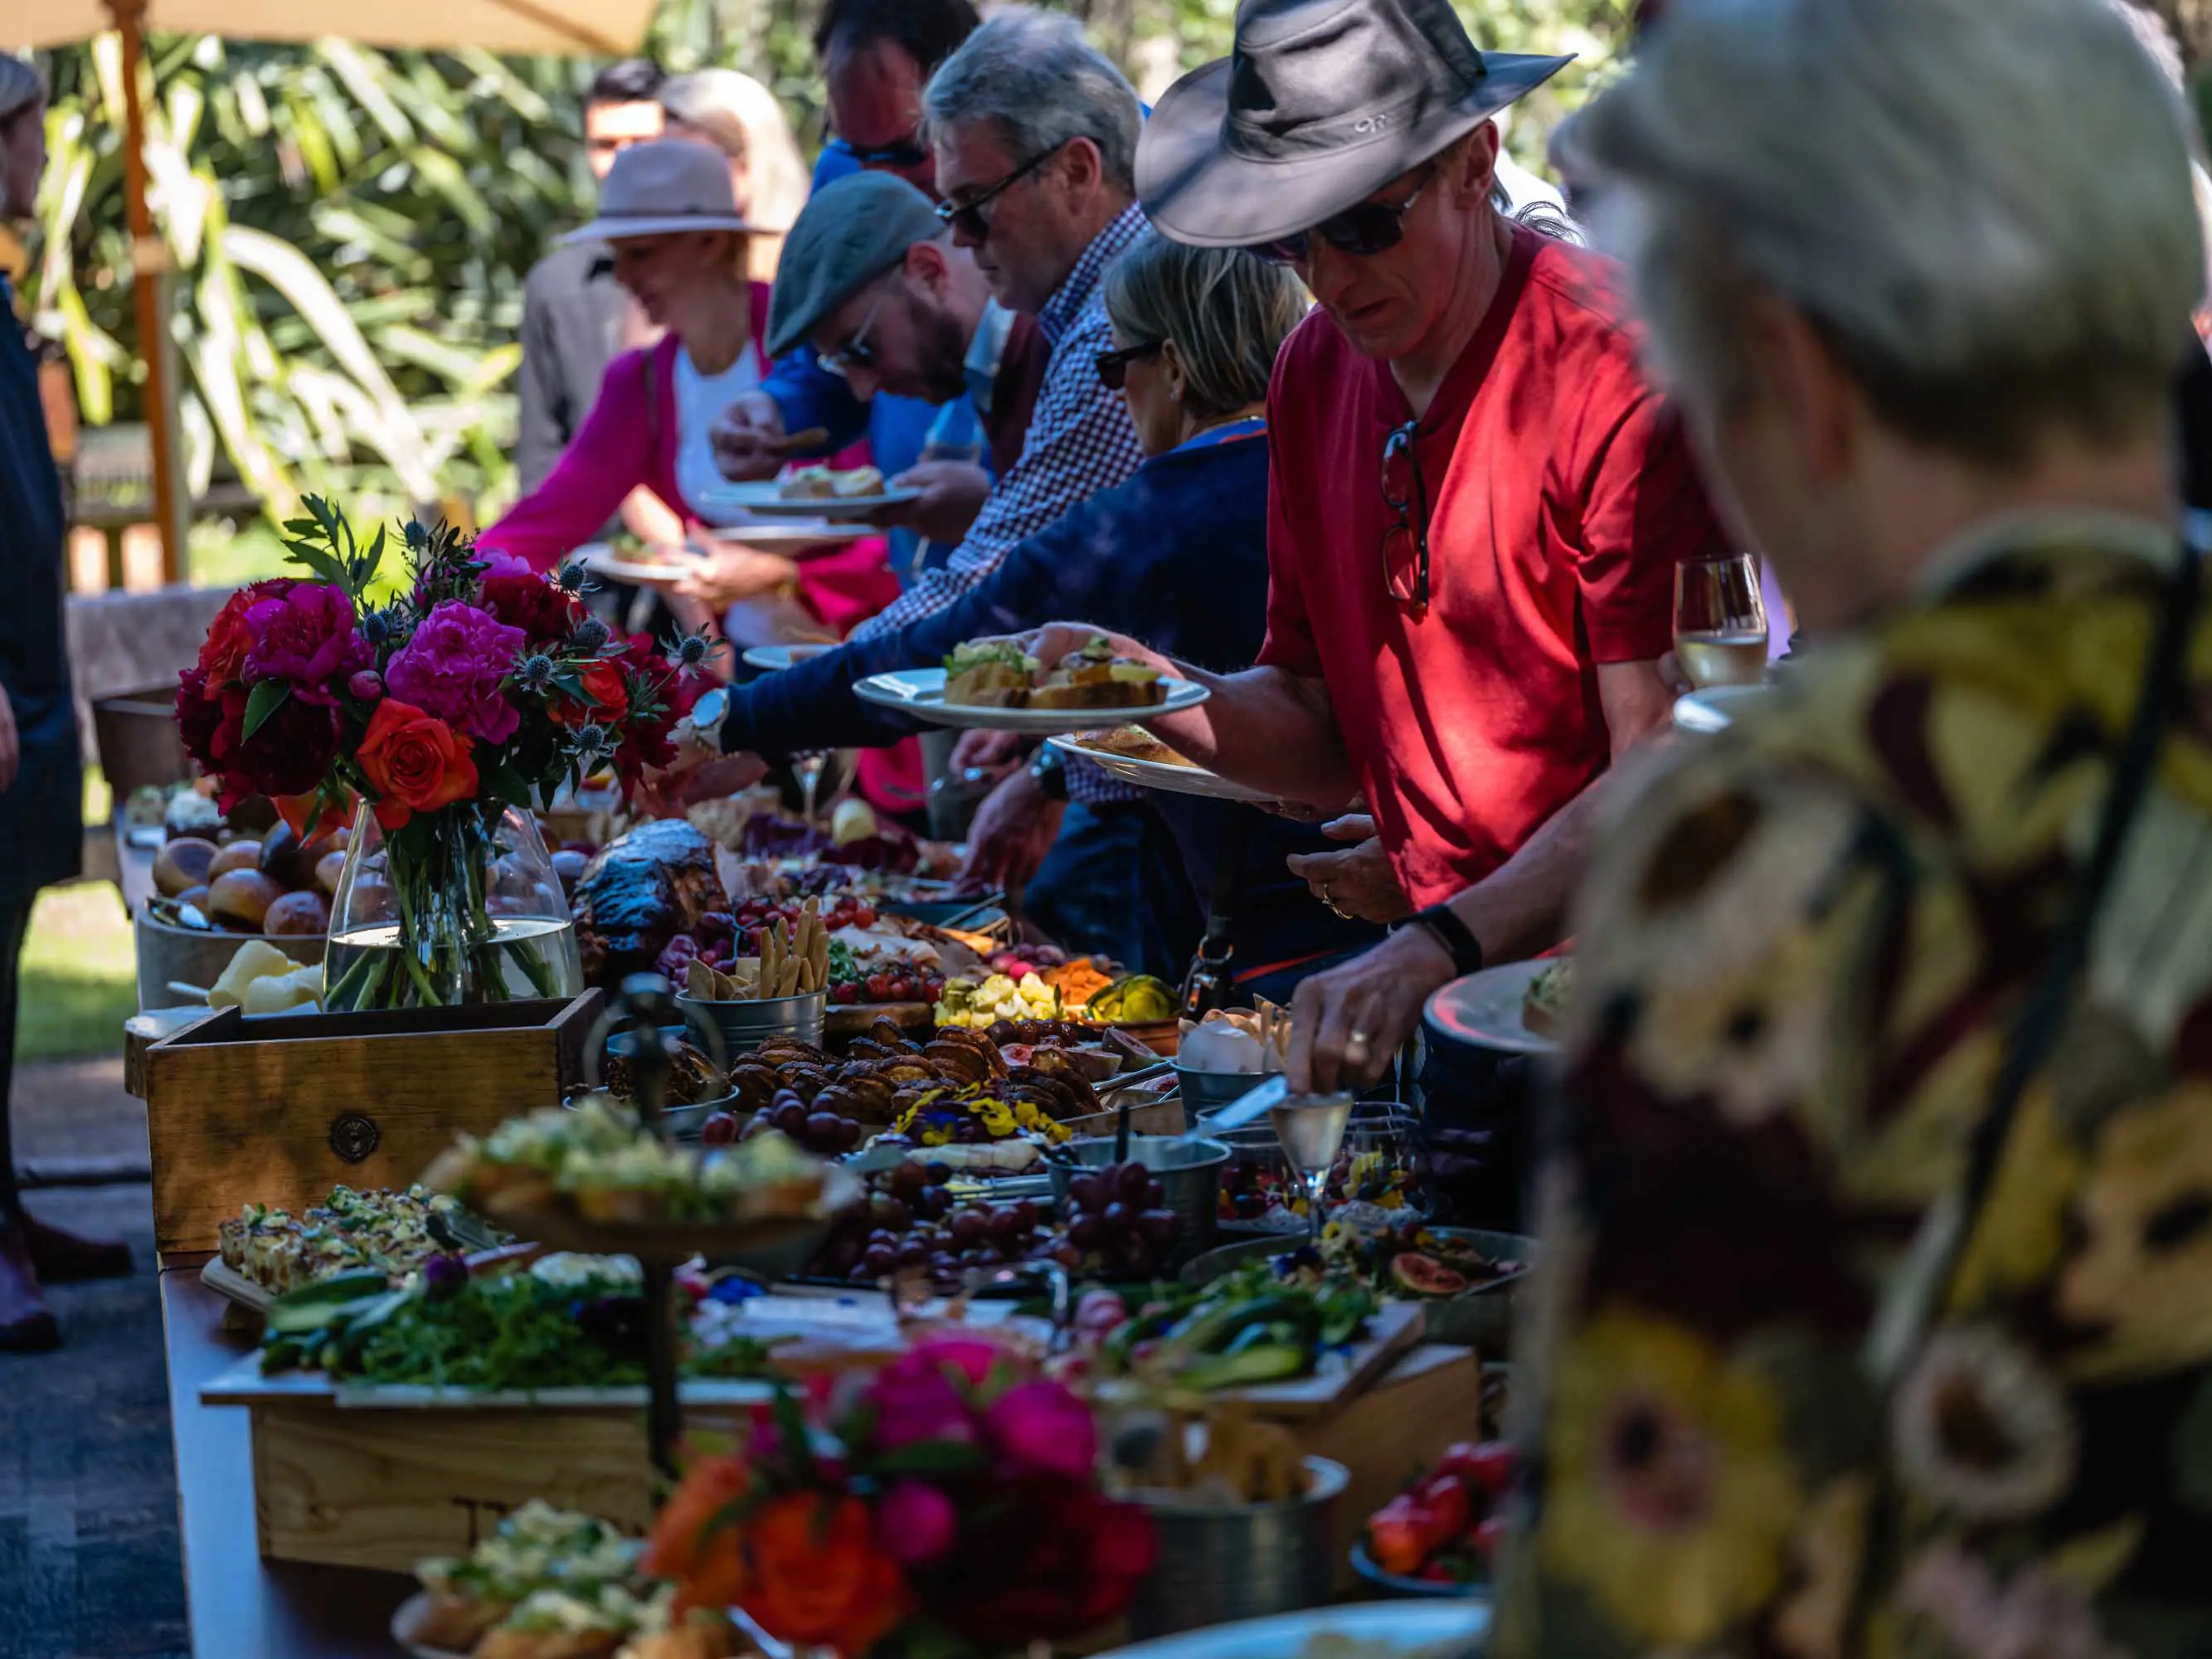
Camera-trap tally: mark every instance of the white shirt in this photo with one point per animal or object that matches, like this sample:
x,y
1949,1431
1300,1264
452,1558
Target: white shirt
x,y
700,401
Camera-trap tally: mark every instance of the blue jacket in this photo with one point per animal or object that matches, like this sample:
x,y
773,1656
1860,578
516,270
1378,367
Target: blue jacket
x,y
1177,557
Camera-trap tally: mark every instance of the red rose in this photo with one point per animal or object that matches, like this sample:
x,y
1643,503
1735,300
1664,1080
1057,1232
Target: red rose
x,y
607,695
521,597
415,761
289,754
223,653
1062,1560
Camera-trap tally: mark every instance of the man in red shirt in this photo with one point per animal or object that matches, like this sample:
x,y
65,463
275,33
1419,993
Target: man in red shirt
x,y
1479,501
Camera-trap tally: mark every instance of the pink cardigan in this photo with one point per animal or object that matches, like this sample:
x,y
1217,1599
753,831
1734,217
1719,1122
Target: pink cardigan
x,y
625,441
630,439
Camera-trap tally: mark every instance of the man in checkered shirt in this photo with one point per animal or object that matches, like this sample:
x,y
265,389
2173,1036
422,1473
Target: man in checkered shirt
x,y
1035,134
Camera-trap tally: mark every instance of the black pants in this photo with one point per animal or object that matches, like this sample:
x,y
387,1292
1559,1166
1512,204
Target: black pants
x,y
14,923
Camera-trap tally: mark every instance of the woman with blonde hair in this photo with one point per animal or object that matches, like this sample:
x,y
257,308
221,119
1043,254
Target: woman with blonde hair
x,y
742,118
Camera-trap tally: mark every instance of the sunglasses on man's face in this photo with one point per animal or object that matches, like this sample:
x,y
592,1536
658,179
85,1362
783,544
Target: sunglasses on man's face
x,y
1364,229
967,217
1114,366
905,154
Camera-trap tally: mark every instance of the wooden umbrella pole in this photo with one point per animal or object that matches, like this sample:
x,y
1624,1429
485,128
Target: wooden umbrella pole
x,y
149,263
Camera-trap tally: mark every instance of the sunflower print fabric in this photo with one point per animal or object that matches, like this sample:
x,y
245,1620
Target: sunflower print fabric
x,y
1798,958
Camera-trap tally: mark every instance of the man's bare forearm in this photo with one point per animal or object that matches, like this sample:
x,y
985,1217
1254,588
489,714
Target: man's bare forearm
x,y
1266,730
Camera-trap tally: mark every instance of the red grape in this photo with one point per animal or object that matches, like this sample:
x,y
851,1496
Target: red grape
x,y
939,1172
1087,1192
845,996
791,1118
880,1260
719,1130
1156,1226
968,1227
1132,1182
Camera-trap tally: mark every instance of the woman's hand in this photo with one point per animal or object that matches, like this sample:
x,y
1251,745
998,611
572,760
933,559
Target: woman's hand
x,y
1347,1023
747,440
952,494
1357,883
1014,829
11,743
731,573
985,750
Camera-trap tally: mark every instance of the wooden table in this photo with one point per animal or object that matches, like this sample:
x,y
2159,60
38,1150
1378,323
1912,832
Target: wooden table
x,y
242,1606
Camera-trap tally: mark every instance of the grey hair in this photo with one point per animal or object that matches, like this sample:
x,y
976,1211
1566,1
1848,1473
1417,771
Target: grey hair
x,y
1034,74
1900,172
1227,311
21,85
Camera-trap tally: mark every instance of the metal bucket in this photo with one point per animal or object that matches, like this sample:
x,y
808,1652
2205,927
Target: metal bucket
x,y
746,1026
1209,1092
191,955
1189,1173
1218,1563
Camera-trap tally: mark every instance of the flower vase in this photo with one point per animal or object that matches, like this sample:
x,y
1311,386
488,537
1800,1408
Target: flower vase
x,y
455,907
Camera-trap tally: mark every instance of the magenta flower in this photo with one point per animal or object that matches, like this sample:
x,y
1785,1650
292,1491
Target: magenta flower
x,y
916,1522
1042,1428
965,1357
917,1405
304,636
453,668
366,686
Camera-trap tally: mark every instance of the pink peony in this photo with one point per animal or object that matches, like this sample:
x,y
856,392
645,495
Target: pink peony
x,y
523,599
365,686
1041,1427
916,1522
966,1357
305,637
915,1406
454,667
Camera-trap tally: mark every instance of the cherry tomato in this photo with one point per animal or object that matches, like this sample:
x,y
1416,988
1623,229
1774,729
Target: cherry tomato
x,y
879,987
902,990
1487,1468
1487,1537
864,917
1396,1536
845,996
1446,1496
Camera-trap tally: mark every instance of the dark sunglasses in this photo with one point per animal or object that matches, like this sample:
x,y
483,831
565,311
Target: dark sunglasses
x,y
905,154
1406,541
967,217
1114,366
1362,229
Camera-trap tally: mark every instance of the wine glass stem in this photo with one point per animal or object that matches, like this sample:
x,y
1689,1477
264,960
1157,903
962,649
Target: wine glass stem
x,y
1317,1190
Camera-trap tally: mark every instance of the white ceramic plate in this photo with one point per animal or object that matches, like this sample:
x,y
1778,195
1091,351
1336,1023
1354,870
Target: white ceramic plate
x,y
770,658
1482,1010
767,500
603,561
1160,775
784,537
1715,709
1374,1630
919,692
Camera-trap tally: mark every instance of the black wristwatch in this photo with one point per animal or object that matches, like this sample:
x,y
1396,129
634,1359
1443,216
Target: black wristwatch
x,y
1050,768
1442,923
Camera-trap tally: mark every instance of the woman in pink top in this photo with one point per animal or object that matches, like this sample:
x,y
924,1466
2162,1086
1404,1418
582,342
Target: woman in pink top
x,y
679,246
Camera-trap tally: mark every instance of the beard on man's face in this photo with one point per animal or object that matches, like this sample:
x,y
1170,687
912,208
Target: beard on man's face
x,y
943,355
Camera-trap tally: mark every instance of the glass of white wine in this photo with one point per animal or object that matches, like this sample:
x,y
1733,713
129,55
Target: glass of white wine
x,y
1311,1128
1720,621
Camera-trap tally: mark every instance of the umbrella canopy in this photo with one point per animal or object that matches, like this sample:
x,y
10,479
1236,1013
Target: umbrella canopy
x,y
606,27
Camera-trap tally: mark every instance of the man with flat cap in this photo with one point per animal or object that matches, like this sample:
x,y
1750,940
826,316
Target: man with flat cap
x,y
1478,501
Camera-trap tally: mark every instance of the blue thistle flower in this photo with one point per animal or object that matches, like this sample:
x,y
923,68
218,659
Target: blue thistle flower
x,y
572,578
534,673
591,633
692,650
591,738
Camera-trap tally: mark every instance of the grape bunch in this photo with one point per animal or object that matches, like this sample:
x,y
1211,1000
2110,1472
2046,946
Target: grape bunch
x,y
912,1221
1117,1224
826,1134
905,982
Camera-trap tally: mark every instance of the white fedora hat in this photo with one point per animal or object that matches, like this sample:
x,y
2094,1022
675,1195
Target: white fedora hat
x,y
662,189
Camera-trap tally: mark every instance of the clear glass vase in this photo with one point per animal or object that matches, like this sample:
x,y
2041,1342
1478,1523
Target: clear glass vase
x,y
459,906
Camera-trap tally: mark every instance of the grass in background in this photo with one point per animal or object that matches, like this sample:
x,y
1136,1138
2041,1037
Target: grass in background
x,y
79,977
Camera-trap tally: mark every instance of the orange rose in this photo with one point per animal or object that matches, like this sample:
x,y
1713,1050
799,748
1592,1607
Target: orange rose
x,y
415,761
826,1583
605,695
709,1567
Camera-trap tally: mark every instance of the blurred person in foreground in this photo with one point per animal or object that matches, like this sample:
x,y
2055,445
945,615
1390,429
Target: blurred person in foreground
x,y
1478,499
1878,1308
1177,554
575,314
41,772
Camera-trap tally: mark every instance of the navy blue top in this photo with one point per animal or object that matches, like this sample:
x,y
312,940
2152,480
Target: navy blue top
x,y
1177,557
41,827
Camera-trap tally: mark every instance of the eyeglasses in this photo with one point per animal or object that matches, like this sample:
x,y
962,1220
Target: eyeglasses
x,y
1364,229
967,217
1406,542
857,352
1114,366
906,154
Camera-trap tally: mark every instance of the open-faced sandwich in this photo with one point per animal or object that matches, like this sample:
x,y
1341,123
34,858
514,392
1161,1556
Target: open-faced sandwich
x,y
1094,677
989,674
551,1584
1135,742
394,1231
1544,1005
822,484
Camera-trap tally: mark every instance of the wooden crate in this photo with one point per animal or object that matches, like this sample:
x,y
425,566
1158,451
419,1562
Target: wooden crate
x,y
278,1111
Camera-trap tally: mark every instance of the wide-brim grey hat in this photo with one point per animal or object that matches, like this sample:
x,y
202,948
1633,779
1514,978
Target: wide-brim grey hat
x,y
853,231
1322,103
663,189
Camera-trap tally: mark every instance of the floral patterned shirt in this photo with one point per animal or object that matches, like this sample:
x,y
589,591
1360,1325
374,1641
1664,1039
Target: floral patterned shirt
x,y
1800,954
